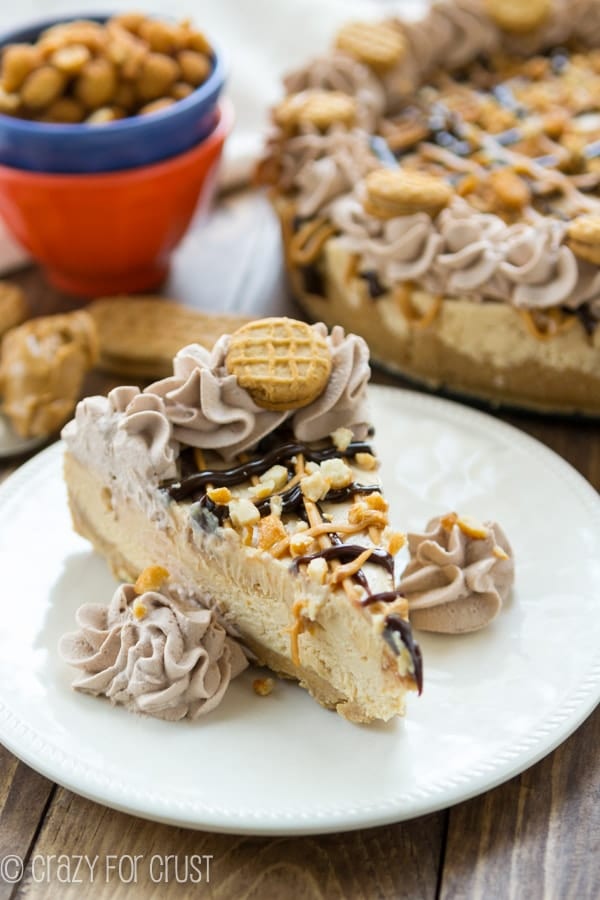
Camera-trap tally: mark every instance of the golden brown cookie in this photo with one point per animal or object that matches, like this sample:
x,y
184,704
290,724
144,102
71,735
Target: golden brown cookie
x,y
319,109
519,16
584,238
397,192
378,45
139,336
13,306
282,363
42,369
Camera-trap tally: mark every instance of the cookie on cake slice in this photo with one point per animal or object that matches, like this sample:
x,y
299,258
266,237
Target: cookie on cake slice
x,y
249,475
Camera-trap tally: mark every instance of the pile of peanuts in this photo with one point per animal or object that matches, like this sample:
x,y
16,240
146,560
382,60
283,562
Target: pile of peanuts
x,y
82,71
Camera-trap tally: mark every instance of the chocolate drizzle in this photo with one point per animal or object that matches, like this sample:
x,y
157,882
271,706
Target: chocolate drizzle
x,y
395,627
348,553
383,597
292,500
187,487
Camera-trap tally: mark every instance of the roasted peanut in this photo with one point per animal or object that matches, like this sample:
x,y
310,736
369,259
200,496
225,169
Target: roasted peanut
x,y
87,71
105,114
195,67
125,96
130,21
18,60
42,87
162,37
9,103
65,110
96,84
156,106
181,90
71,59
157,75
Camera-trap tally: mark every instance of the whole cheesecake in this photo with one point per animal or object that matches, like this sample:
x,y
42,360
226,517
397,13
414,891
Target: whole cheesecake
x,y
438,187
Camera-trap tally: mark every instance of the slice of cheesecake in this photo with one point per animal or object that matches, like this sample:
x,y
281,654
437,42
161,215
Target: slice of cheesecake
x,y
249,475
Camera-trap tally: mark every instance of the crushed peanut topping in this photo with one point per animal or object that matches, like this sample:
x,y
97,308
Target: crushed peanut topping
x,y
262,490
243,512
376,501
276,504
270,532
366,461
150,579
314,486
395,542
341,438
467,524
140,610
301,543
277,475
361,514
263,686
449,521
221,495
472,528
317,570
336,472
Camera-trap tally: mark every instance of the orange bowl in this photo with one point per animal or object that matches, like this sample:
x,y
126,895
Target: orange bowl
x,y
111,232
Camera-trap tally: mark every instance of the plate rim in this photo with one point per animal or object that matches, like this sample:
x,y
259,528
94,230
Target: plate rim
x,y
89,781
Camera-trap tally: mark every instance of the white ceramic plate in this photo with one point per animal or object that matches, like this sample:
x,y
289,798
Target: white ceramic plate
x,y
494,702
13,445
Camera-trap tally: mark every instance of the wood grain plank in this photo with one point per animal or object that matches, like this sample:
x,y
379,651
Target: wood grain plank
x,y
538,836
390,863
24,796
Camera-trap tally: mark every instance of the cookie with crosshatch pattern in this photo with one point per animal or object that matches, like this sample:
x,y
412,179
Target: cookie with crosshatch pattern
x,y
315,108
282,363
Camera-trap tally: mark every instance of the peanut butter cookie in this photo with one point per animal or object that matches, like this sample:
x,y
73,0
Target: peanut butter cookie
x,y
518,15
396,192
584,238
378,45
139,336
282,363
321,109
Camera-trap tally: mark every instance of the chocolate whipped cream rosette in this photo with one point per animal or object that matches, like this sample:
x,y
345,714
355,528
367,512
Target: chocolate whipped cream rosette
x,y
451,216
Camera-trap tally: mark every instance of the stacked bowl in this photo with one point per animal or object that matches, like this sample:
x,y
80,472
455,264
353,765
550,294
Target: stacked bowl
x,y
102,206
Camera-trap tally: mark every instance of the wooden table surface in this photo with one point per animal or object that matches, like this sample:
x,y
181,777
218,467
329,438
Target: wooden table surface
x,y
537,836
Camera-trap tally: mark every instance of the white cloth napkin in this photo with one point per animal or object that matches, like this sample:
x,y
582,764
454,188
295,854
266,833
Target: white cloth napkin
x,y
261,39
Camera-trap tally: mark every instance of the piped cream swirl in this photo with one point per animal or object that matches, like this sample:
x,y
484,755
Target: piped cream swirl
x,y
322,167
208,408
141,435
152,654
466,253
455,582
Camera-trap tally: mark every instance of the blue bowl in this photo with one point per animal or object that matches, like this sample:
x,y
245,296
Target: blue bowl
x,y
124,144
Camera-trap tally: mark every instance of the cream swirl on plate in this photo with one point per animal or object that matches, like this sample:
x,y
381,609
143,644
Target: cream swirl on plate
x,y
210,410
458,576
152,654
